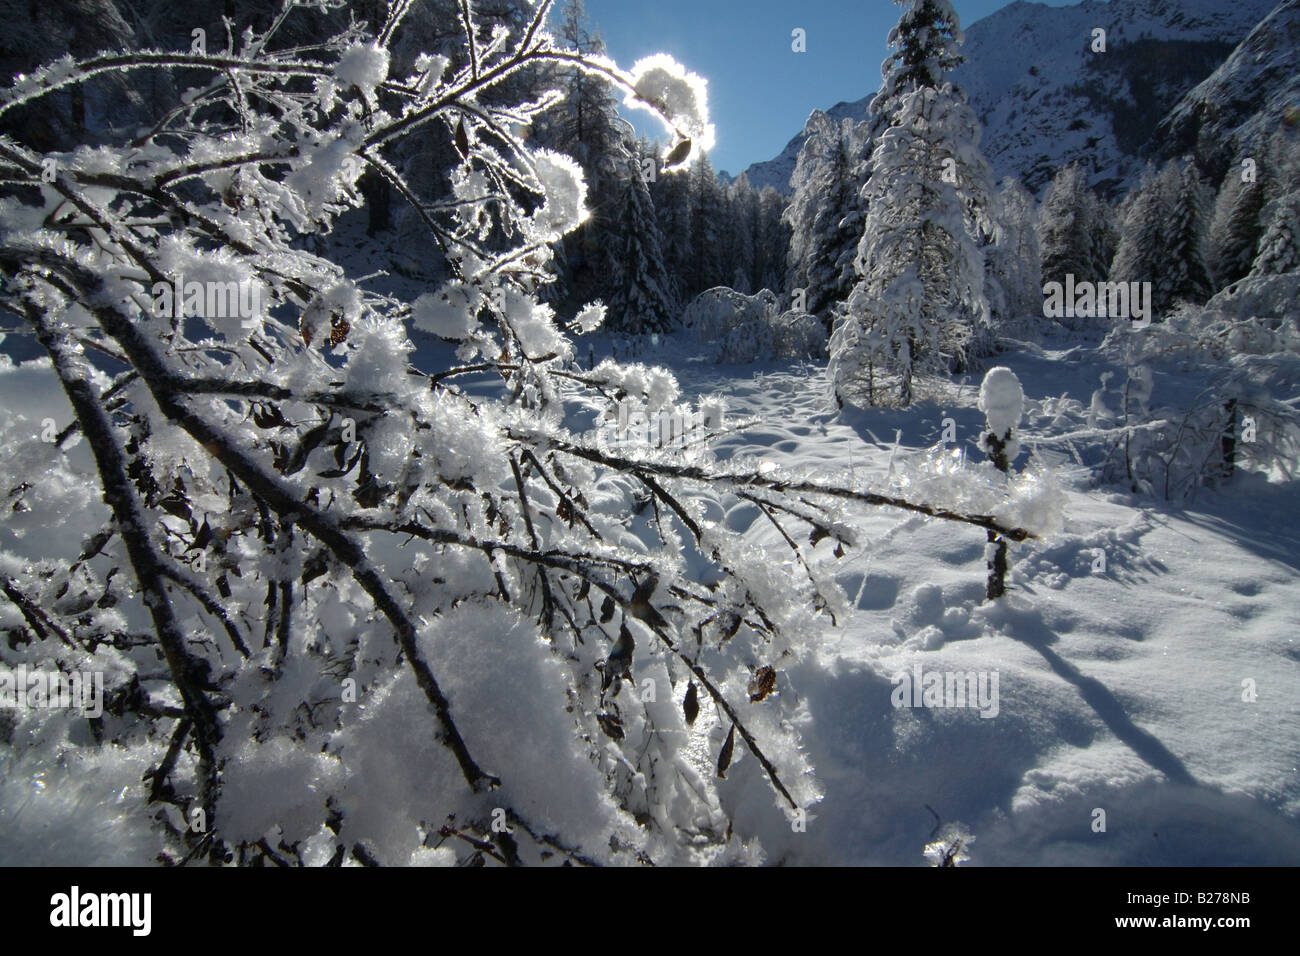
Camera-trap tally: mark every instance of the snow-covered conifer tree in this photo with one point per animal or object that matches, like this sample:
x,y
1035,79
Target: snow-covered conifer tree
x,y
1279,246
920,259
772,243
742,233
1279,236
1235,227
1185,276
585,124
1144,211
806,195
823,196
672,201
1072,229
705,267
1014,258
1162,239
640,300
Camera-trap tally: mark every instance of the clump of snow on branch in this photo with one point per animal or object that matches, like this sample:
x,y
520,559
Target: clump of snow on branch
x,y
339,303
1034,501
949,846
942,477
682,96
591,316
326,180
566,194
365,66
445,313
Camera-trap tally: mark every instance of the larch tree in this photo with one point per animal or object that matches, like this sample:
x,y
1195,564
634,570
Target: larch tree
x,y
920,292
1014,259
1073,232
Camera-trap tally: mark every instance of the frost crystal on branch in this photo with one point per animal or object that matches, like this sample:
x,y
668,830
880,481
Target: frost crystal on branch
x,y
354,606
364,66
663,86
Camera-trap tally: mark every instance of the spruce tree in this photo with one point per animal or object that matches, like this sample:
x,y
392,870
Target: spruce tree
x,y
705,268
641,300
1144,213
823,199
586,126
1279,247
742,234
672,202
806,185
1162,239
1183,273
773,241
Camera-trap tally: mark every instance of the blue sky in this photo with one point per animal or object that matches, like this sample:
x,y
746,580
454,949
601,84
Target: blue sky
x,y
760,92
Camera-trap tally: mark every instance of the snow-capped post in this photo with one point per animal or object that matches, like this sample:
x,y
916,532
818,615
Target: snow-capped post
x,y
1002,401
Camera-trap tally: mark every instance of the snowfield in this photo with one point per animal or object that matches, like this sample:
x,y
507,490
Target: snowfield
x,y
1118,690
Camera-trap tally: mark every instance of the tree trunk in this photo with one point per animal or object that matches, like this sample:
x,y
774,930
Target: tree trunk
x,y
997,584
1228,442
379,204
905,387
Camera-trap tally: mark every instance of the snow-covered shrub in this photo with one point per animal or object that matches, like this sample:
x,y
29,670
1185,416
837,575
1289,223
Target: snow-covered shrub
x,y
798,335
343,605
1244,344
1270,299
790,335
750,342
714,313
748,328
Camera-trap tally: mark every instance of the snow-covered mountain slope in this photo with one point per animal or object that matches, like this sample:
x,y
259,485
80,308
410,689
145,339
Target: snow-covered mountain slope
x,y
1045,99
776,172
1248,97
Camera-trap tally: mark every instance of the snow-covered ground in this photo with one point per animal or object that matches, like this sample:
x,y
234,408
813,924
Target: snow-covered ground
x,y
1120,691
